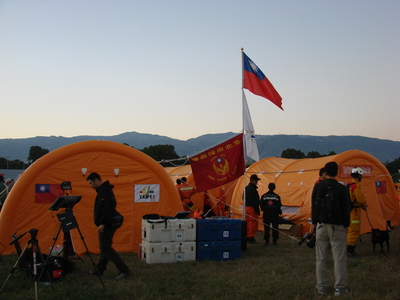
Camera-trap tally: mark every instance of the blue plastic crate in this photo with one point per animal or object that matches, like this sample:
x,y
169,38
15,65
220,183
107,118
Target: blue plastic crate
x,y
218,230
218,250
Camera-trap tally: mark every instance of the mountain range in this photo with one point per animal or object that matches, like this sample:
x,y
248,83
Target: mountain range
x,y
268,145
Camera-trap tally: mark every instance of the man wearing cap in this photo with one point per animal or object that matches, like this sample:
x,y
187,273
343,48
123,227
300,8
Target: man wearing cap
x,y
252,199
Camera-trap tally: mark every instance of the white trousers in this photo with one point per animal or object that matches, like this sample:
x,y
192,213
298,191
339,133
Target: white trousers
x,y
331,238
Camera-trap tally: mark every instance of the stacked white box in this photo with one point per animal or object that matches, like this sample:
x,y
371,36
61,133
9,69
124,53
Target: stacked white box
x,y
153,253
169,240
169,230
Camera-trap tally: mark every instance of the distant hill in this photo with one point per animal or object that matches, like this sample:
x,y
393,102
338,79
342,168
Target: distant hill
x,y
268,145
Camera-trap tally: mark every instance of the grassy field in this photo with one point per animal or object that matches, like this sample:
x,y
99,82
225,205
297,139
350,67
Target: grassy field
x,y
285,271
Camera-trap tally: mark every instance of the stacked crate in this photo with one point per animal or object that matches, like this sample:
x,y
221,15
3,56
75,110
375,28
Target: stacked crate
x,y
168,240
219,239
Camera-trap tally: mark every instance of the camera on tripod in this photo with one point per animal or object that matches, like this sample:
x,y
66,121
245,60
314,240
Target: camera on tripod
x,y
310,240
33,233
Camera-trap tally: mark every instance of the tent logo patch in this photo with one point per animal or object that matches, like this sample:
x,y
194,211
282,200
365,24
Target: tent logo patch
x,y
147,192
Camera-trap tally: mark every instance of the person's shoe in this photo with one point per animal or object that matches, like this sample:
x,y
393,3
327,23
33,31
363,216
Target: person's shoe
x,y
266,243
340,292
95,272
251,240
322,290
274,243
353,255
122,275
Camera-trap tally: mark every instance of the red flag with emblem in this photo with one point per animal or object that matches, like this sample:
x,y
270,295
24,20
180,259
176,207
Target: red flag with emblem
x,y
219,165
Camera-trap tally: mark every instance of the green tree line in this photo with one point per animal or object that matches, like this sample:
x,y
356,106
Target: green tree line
x,y
166,154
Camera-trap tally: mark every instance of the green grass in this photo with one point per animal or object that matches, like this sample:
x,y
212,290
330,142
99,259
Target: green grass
x,y
285,271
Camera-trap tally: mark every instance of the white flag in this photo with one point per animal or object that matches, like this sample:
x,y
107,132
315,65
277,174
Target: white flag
x,y
251,143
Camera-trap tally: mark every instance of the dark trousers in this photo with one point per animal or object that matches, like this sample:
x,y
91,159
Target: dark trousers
x,y
267,228
107,253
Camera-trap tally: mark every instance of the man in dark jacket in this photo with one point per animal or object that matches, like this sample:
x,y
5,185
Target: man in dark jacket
x,y
271,206
104,209
331,219
252,199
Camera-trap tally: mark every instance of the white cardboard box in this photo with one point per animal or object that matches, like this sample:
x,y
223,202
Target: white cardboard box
x,y
169,230
170,252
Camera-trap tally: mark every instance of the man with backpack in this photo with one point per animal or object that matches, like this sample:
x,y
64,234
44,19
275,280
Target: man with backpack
x,y
358,202
104,209
331,217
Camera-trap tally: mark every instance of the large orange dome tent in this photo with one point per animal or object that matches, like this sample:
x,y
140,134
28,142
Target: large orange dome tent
x,y
295,178
130,170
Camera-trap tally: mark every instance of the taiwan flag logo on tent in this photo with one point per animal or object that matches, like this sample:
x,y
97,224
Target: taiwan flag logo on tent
x,y
256,82
219,165
380,187
47,193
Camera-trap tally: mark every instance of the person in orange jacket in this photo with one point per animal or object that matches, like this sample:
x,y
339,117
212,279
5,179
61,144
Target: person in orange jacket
x,y
221,205
358,202
321,176
252,199
207,206
186,191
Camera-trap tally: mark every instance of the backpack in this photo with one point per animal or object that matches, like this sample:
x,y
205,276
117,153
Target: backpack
x,y
348,189
327,204
116,221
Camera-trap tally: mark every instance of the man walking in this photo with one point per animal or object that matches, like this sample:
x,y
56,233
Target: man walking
x,y
331,216
104,209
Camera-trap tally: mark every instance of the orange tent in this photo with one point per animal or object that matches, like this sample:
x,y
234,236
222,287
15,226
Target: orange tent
x,y
131,171
295,178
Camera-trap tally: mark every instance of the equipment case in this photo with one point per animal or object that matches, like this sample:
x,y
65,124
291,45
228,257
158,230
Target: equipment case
x,y
168,230
219,229
170,252
218,250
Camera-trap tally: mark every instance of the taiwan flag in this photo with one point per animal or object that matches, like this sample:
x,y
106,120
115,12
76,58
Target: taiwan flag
x,y
47,193
380,187
219,165
255,81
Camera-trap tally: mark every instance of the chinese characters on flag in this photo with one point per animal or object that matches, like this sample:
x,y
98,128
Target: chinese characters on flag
x,y
219,165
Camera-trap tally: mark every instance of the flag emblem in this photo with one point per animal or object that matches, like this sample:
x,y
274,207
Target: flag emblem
x,y
221,166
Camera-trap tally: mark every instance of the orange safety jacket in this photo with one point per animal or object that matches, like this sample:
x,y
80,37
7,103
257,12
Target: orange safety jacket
x,y
358,199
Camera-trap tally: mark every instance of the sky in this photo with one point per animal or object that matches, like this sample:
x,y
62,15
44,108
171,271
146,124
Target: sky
x,y
174,68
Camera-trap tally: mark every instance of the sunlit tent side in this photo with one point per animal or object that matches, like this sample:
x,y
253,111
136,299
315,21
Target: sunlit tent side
x,y
132,172
295,178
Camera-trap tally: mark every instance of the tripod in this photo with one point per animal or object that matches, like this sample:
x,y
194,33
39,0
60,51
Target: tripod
x,y
68,222
36,253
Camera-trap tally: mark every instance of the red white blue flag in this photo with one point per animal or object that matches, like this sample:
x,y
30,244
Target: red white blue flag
x,y
255,81
47,193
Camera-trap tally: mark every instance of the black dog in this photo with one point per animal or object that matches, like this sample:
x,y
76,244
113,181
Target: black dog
x,y
379,237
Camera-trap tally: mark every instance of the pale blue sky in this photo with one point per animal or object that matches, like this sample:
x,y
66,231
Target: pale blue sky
x,y
81,67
